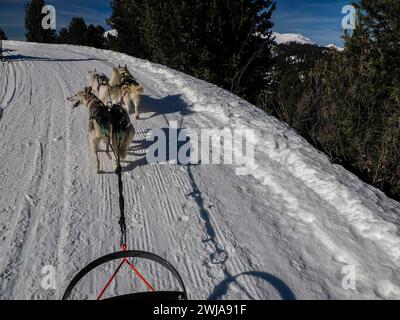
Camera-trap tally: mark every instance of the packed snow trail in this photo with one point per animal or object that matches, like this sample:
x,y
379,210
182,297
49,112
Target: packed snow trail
x,y
294,228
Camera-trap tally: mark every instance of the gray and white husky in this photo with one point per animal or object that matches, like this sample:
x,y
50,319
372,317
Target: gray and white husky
x,y
96,80
122,88
107,125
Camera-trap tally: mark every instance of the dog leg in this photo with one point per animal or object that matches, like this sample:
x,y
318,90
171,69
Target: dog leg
x,y
128,140
94,142
137,107
128,104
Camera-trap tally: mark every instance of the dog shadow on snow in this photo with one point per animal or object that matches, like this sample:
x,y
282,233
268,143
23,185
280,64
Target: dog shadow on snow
x,y
163,106
172,104
139,148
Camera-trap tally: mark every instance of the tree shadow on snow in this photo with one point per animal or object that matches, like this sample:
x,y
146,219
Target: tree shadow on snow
x,y
20,57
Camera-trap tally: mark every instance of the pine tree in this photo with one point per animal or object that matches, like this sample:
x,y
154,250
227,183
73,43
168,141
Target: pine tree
x,y
289,77
95,37
63,36
77,31
224,42
125,20
239,39
381,19
33,23
2,35
354,98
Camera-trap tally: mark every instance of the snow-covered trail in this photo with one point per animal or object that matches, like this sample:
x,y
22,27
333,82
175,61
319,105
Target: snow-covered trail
x,y
287,230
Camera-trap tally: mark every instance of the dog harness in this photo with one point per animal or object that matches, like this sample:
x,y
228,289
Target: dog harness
x,y
101,115
102,80
127,80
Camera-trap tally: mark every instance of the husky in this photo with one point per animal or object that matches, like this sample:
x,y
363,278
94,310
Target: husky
x,y
107,125
118,73
99,121
110,94
131,90
96,80
124,71
123,86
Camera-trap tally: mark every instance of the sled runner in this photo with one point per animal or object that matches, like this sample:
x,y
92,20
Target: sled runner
x,y
126,256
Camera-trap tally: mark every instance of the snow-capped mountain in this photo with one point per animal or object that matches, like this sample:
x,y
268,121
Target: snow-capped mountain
x,y
113,33
334,47
286,38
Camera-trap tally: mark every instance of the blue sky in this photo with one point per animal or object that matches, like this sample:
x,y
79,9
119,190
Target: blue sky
x,y
12,14
319,20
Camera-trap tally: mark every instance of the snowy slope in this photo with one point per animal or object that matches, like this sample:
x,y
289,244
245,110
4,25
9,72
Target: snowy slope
x,y
285,38
286,230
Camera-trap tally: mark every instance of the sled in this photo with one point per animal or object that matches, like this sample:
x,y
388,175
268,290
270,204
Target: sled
x,y
124,255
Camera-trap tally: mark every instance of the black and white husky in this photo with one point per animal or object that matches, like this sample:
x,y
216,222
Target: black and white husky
x,y
96,80
107,125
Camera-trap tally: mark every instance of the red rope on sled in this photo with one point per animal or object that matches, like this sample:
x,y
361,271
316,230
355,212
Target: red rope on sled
x,y
125,260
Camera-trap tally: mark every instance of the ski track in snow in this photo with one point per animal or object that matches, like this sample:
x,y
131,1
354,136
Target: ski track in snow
x,y
285,231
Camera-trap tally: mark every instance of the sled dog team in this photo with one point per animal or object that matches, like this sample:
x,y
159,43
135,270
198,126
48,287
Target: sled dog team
x,y
109,121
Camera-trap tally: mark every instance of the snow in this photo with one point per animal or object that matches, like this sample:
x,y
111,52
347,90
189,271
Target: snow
x,y
113,33
289,229
286,38
334,47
